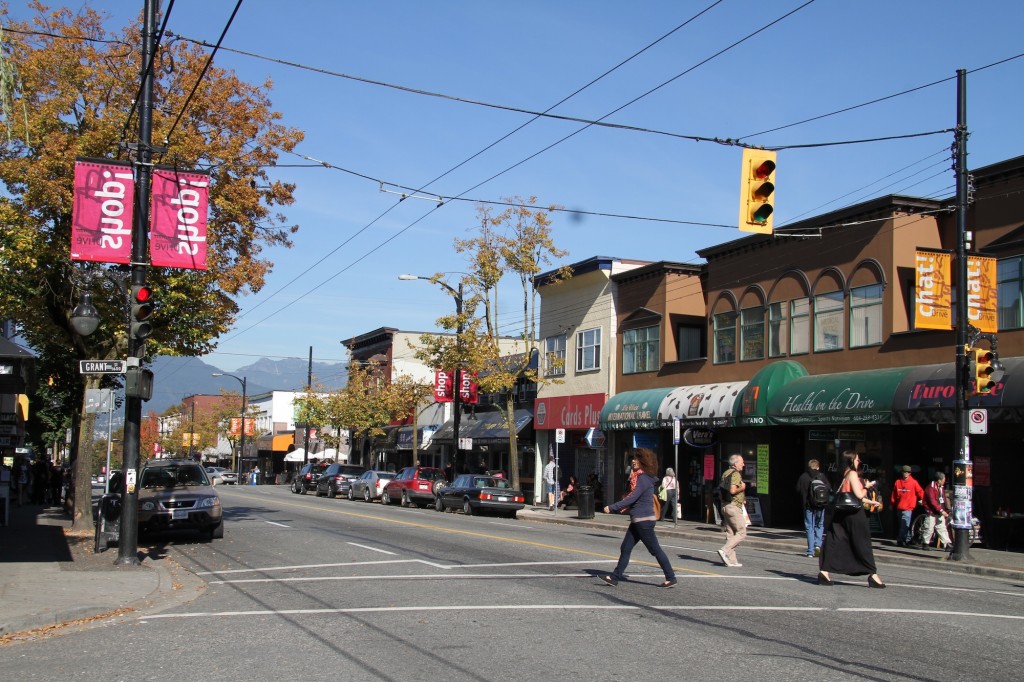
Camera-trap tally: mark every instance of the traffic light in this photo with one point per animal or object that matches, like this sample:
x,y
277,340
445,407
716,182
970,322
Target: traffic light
x,y
757,185
986,370
142,311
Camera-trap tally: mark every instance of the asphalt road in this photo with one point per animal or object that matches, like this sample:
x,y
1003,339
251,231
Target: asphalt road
x,y
316,589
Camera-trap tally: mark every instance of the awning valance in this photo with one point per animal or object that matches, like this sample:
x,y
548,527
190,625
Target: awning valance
x,y
423,437
633,410
483,426
863,397
278,443
702,405
927,395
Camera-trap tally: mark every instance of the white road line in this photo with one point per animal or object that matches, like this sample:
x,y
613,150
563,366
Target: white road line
x,y
275,523
562,607
408,576
512,525
298,567
372,549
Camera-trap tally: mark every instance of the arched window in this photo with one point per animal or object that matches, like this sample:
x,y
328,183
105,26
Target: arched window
x,y
866,318
829,309
751,323
724,320
789,316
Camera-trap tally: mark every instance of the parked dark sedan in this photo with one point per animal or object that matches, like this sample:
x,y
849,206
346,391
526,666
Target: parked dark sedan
x,y
305,480
474,493
337,479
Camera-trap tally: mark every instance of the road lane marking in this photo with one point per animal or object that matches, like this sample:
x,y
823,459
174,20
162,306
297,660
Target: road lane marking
x,y
296,567
275,523
476,534
528,608
372,549
408,576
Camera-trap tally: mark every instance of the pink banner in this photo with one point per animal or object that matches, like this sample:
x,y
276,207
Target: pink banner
x,y
101,214
178,230
468,392
444,387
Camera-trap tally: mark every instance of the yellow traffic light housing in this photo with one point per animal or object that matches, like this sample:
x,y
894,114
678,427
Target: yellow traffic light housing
x,y
757,187
986,370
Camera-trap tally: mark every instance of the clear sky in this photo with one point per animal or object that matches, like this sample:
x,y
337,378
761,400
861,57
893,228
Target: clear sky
x,y
341,277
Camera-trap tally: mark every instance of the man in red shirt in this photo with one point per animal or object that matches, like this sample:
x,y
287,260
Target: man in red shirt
x,y
906,495
935,508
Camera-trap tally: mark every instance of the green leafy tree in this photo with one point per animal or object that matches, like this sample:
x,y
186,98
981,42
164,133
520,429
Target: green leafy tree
x,y
77,83
516,242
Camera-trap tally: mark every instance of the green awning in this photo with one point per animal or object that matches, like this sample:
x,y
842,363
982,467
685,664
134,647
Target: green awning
x,y
864,397
766,382
633,410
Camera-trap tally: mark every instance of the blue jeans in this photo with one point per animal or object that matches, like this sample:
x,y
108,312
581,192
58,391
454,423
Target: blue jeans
x,y
643,531
814,524
903,534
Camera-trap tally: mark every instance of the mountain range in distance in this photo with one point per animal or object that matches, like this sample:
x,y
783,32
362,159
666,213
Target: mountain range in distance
x,y
177,378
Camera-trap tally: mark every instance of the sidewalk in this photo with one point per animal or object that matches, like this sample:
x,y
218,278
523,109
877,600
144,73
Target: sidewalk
x,y
48,578
984,562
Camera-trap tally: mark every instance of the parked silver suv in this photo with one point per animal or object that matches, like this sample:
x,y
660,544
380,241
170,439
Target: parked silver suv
x,y
178,495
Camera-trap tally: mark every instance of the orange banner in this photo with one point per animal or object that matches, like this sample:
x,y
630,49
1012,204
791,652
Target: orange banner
x,y
250,426
933,307
982,293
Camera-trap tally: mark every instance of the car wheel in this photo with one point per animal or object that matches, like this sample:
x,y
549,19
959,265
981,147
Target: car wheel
x,y
511,515
218,531
467,508
366,494
384,497
438,504
331,493
351,495
405,498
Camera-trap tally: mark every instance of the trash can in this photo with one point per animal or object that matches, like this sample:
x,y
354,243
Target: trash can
x,y
585,502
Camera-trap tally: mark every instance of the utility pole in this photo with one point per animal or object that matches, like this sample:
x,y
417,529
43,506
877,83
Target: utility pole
x,y
309,388
962,507
128,543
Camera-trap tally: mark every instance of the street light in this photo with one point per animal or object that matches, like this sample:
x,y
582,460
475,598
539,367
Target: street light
x,y
241,441
457,393
84,317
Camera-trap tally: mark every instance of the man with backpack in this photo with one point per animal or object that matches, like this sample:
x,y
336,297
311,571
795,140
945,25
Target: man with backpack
x,y
813,489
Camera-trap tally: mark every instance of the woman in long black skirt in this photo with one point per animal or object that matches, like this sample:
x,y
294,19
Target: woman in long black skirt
x,y
847,545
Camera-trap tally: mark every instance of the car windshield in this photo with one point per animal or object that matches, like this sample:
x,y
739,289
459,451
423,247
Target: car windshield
x,y
173,475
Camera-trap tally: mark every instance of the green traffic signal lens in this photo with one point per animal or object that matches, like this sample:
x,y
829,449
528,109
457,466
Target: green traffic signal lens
x,y
760,216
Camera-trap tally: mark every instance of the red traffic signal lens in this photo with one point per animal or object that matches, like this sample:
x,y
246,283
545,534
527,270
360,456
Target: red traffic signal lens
x,y
142,294
764,170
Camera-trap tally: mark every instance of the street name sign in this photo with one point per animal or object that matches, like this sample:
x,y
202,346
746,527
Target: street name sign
x,y
102,366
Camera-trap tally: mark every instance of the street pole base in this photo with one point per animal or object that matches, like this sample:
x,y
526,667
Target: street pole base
x,y
961,545
127,561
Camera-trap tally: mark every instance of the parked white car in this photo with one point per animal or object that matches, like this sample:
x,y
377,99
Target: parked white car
x,y
221,475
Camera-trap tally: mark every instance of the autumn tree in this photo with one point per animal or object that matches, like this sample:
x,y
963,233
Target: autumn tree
x,y
515,242
69,91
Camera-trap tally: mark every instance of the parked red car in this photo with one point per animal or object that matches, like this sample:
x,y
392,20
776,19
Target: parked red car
x,y
413,486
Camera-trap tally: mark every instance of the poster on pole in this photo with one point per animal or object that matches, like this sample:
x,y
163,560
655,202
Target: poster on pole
x,y
180,206
101,211
933,308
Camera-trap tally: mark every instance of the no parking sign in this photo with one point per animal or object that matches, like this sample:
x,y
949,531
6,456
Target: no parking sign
x,y
977,420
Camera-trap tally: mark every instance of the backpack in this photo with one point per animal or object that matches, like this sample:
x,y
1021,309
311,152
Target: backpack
x,y
817,494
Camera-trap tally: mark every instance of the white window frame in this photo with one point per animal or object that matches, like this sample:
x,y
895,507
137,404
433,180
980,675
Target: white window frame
x,y
588,349
554,349
829,308
800,326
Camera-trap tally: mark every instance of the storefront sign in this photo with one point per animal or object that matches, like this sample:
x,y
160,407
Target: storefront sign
x,y
700,438
576,412
821,434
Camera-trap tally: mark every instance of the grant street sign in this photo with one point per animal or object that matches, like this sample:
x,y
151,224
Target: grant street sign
x,y
102,366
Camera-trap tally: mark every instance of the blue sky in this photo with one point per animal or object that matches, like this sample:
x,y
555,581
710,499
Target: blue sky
x,y
531,54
